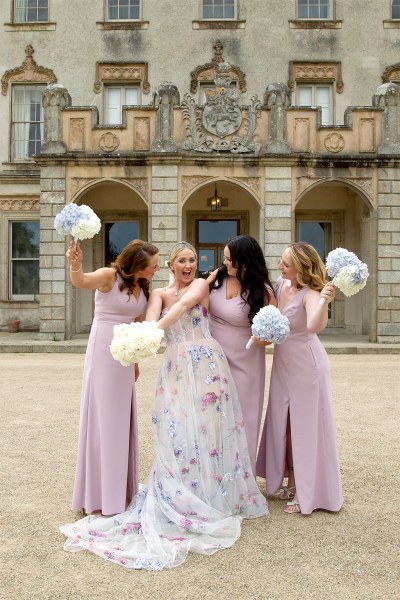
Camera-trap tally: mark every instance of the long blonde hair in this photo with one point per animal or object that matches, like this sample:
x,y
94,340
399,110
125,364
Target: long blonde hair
x,y
310,269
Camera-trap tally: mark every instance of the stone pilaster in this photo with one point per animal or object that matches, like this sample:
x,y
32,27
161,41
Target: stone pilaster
x,y
164,222
277,99
166,97
52,256
278,214
55,98
388,271
388,97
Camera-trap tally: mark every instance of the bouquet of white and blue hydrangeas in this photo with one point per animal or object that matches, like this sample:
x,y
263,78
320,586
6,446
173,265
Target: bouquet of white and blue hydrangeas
x,y
347,271
79,221
269,325
133,342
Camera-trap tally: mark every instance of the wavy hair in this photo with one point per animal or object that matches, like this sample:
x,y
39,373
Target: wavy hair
x,y
252,272
310,269
133,258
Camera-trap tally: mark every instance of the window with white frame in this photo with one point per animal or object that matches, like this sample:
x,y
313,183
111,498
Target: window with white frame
x,y
315,94
314,9
27,120
31,11
218,9
24,259
123,10
116,97
395,9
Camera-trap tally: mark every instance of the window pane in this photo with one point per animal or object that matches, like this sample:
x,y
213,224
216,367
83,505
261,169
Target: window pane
x,y
396,9
28,11
118,235
25,239
216,231
123,9
27,120
206,262
113,106
131,96
25,277
318,235
304,96
323,100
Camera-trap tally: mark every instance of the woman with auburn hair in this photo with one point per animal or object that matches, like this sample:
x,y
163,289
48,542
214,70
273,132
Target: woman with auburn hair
x,y
299,440
238,289
106,472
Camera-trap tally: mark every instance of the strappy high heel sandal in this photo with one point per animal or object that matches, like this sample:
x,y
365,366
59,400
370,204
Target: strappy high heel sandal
x,y
287,493
292,508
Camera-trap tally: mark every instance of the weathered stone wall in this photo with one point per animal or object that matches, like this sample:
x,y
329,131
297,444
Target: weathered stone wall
x,y
388,287
278,214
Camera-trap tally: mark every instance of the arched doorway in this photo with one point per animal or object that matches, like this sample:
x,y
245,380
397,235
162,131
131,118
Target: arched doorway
x,y
124,216
208,227
333,214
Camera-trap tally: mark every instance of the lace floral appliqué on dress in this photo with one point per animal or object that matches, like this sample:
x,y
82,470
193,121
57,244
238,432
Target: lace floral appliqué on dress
x,y
200,485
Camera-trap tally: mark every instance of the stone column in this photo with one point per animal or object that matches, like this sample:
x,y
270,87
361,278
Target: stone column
x,y
164,221
166,97
52,255
278,214
55,98
388,271
277,100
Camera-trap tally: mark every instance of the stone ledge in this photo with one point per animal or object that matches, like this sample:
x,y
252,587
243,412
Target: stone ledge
x,y
218,24
30,26
315,24
127,25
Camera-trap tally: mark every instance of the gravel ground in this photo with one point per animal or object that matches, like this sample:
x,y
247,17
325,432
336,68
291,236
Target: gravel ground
x,y
349,555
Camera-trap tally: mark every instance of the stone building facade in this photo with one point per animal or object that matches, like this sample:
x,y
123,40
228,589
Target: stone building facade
x,y
199,120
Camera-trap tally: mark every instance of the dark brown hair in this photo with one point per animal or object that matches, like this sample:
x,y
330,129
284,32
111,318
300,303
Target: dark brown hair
x,y
134,258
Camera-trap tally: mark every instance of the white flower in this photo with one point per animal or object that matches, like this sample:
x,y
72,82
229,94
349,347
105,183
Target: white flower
x,y
88,225
344,280
134,342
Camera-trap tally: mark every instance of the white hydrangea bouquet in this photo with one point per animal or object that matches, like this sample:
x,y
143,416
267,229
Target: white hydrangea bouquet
x,y
269,325
133,342
79,221
347,271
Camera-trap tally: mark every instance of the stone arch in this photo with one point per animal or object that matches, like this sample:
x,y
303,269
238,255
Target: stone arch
x,y
80,186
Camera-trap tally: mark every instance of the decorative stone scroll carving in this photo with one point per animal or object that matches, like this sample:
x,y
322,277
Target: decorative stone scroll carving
x,y
28,72
315,71
191,182
334,142
77,183
253,183
122,72
277,99
391,73
140,184
55,98
387,96
166,97
19,204
76,142
221,116
208,71
108,142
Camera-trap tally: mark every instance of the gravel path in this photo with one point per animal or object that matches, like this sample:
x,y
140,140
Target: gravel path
x,y
350,555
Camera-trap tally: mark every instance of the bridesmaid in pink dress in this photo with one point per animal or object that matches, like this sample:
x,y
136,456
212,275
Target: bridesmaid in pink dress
x,y
106,472
238,290
299,437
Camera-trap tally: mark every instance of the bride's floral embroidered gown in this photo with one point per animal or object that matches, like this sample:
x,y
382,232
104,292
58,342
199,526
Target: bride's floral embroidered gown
x,y
201,483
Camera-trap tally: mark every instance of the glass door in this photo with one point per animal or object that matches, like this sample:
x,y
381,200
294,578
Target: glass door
x,y
211,238
117,235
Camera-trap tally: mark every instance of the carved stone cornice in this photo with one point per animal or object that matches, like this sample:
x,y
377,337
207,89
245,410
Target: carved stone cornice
x,y
192,181
315,71
122,72
391,73
19,203
28,72
207,72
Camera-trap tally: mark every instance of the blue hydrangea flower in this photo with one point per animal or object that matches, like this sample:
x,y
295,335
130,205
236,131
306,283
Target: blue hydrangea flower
x,y
270,325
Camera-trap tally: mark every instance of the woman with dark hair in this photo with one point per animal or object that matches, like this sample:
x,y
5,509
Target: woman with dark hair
x,y
239,288
298,440
106,472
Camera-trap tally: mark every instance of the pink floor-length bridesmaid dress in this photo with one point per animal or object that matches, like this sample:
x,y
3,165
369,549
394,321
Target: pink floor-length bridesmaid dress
x,y
106,471
229,325
300,385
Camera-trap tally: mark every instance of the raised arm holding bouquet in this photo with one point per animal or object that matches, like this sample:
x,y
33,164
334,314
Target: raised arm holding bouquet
x,y
347,271
106,472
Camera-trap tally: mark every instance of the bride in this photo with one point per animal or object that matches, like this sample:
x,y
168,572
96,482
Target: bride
x,y
201,484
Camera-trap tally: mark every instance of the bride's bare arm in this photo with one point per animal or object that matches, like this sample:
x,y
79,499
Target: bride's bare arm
x,y
197,294
154,305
